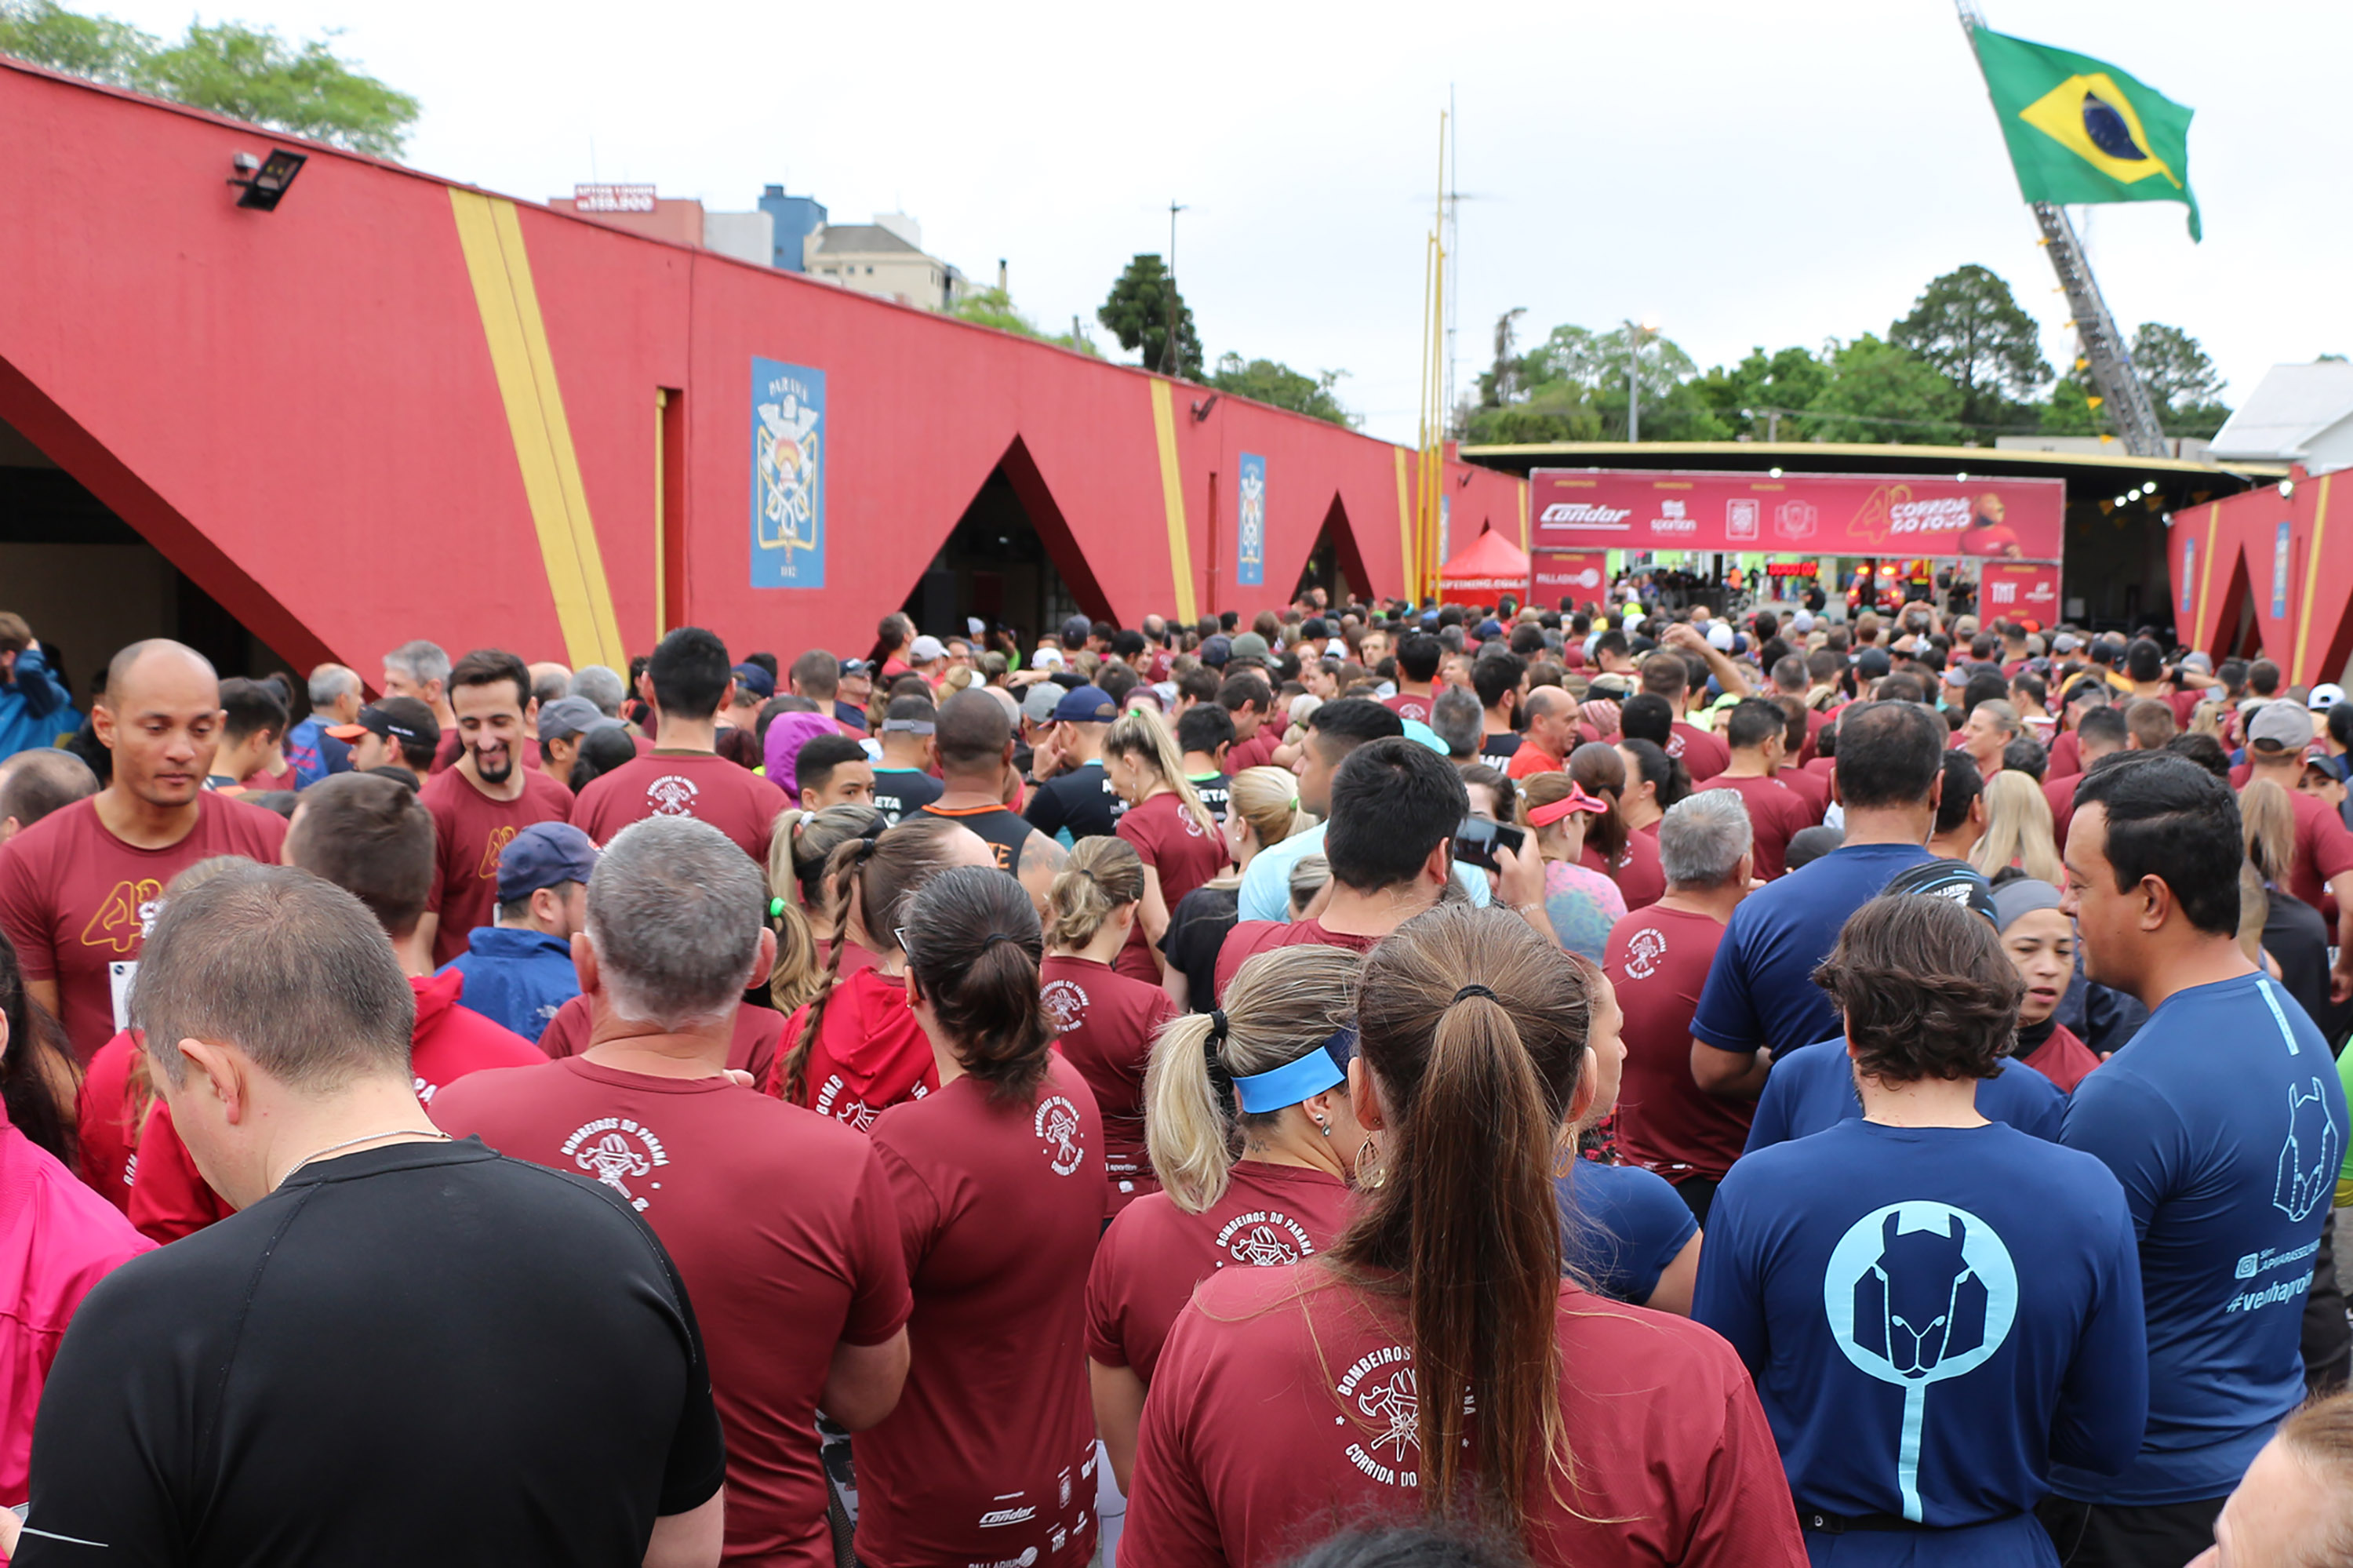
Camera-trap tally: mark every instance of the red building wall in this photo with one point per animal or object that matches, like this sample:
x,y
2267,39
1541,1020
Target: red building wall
x,y
305,411
2279,566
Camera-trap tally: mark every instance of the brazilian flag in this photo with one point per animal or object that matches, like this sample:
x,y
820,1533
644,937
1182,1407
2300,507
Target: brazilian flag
x,y
2081,130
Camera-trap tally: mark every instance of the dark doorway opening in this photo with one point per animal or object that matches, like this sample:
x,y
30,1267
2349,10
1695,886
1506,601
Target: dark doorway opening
x,y
1010,563
1336,565
88,583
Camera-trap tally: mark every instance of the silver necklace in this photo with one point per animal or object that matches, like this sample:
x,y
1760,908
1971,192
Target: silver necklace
x,y
354,1142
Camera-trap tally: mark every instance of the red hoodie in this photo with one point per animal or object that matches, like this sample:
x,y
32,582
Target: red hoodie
x,y
870,1052
169,1200
107,1139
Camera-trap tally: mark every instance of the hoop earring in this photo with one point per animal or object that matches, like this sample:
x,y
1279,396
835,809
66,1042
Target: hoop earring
x,y
1369,1172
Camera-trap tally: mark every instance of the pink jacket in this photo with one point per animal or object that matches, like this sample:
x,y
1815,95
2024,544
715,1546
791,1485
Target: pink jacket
x,y
58,1239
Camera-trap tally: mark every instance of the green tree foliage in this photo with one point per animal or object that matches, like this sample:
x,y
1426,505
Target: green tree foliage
x,y
1745,397
1137,314
1881,392
1572,386
250,73
1271,381
2181,380
995,307
1970,329
2069,411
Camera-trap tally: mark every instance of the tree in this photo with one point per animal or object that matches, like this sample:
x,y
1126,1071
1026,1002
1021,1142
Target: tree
x,y
1137,314
1271,381
1558,411
250,73
1881,392
1759,397
1968,327
2070,412
2181,381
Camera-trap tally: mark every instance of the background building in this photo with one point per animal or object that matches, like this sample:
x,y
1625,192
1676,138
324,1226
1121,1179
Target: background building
x,y
885,258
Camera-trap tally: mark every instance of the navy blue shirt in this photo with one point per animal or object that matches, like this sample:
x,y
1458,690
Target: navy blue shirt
x,y
2225,1122
1761,991
1934,1317
1812,1088
1080,804
314,753
516,979
1620,1227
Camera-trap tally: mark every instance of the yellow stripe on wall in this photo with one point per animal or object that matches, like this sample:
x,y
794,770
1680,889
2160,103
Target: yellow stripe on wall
x,y
1405,526
2206,569
1172,497
500,269
2311,580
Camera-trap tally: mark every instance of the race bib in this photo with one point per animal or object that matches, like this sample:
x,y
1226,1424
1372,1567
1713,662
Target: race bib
x,y
118,976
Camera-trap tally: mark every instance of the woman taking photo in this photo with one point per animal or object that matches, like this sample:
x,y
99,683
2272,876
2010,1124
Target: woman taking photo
x,y
1581,903
1289,1400
1262,809
1104,1020
800,900
1171,830
998,1181
854,1048
1267,1075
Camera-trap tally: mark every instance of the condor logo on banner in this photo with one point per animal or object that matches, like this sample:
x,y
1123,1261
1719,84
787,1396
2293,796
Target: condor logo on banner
x,y
1999,519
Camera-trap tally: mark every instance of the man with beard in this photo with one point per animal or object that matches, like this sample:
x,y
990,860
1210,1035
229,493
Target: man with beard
x,y
480,804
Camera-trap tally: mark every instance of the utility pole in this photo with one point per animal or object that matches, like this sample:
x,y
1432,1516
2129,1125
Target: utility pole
x,y
1170,361
2101,349
1633,386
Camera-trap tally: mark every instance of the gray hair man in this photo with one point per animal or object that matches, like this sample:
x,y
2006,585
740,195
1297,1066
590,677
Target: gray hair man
x,y
335,697
35,783
1456,718
601,686
1658,958
400,1335
421,669
780,1220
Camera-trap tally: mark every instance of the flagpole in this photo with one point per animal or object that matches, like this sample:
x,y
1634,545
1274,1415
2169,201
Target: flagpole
x,y
2102,348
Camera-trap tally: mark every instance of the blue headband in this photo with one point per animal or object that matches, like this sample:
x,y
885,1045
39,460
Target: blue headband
x,y
1294,1081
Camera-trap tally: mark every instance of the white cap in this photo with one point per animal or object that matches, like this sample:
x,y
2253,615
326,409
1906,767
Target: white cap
x,y
927,649
1719,636
2325,696
1046,659
1802,622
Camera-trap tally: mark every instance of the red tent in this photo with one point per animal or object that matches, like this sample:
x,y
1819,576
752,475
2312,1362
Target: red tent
x,y
1483,570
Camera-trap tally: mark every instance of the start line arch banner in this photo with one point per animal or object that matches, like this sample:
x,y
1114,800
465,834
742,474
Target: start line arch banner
x,y
1808,513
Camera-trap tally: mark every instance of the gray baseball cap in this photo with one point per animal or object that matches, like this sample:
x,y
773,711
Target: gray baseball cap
x,y
568,717
2281,726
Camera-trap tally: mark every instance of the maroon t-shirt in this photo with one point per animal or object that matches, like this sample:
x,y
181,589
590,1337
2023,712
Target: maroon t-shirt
x,y
2324,848
2061,792
1640,879
1155,1252
169,1199
1258,750
470,830
990,1455
2064,1059
1105,1021
1775,814
1284,1403
2066,755
1170,840
782,1225
1658,960
1408,706
1252,938
1813,788
77,901
752,1049
1704,756
698,784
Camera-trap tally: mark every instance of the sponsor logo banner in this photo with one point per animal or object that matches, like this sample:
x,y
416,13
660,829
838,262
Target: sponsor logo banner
x,y
1818,514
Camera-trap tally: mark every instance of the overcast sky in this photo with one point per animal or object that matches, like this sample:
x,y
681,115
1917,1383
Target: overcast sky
x,y
1745,173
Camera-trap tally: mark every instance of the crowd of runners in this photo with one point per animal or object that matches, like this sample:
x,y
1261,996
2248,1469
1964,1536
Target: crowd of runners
x,y
1356,1084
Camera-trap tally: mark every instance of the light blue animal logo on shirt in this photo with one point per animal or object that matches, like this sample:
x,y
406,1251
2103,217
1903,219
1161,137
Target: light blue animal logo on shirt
x,y
1917,1293
2309,1159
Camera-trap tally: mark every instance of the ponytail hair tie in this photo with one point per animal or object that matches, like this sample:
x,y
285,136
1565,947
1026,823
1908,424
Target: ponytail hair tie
x,y
997,937
1474,989
1217,1026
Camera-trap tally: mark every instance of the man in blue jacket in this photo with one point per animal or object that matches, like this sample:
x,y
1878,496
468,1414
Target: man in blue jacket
x,y
33,702
519,971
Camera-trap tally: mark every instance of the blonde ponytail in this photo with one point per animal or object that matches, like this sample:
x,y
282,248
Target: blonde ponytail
x,y
1281,1005
1141,733
1100,874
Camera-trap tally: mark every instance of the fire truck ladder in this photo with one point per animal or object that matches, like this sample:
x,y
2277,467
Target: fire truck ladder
x,y
2101,348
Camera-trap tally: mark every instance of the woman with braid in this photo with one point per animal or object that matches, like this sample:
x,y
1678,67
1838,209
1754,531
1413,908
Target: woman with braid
x,y
1267,1075
854,1048
1104,1020
801,907
1434,1361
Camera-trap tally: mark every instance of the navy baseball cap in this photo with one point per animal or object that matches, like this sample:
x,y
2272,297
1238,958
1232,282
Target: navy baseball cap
x,y
1958,880
1086,704
542,856
756,681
